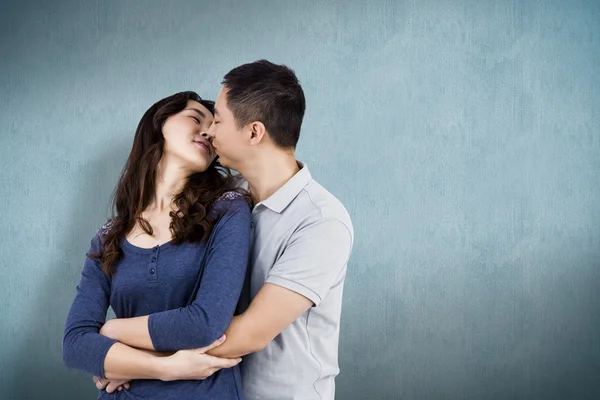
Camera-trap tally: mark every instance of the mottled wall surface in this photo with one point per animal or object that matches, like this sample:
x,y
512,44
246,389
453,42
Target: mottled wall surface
x,y
463,137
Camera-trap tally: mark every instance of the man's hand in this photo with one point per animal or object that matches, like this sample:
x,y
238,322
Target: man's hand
x,y
110,385
196,364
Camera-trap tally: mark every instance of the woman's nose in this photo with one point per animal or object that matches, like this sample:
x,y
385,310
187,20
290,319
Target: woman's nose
x,y
206,136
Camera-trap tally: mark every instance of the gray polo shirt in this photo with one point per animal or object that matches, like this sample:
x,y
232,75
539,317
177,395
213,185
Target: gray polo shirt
x,y
302,241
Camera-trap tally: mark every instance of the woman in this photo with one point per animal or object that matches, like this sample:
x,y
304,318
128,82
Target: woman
x,y
171,263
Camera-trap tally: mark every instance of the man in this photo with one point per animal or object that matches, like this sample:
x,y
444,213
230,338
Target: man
x,y
302,239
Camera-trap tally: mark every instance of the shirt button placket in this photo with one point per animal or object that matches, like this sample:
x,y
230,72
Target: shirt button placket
x,y
252,226
152,270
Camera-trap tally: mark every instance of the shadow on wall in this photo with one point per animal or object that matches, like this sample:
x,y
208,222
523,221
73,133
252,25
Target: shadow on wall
x,y
38,370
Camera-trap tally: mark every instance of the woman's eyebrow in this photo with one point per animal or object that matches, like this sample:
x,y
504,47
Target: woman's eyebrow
x,y
198,111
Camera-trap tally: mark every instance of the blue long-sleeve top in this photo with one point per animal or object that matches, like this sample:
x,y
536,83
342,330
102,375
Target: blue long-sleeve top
x,y
158,282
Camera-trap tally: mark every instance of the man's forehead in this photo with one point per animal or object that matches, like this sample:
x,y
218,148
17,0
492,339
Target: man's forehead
x,y
222,94
221,103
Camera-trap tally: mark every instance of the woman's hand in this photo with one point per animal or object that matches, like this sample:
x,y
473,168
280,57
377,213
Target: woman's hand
x,y
196,364
111,385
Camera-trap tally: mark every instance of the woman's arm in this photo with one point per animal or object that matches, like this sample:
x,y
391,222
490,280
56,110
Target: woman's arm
x,y
83,347
124,363
207,318
86,350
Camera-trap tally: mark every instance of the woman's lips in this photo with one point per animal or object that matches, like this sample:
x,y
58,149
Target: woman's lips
x,y
203,145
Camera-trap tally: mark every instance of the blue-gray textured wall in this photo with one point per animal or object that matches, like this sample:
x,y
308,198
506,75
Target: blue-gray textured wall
x,y
463,137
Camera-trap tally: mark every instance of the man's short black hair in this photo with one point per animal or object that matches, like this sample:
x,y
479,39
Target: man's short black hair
x,y
269,93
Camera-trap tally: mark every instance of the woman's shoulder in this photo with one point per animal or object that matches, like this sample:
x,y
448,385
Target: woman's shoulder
x,y
230,195
231,202
104,229
98,239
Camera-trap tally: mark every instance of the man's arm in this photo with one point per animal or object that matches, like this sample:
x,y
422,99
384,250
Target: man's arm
x,y
312,261
273,309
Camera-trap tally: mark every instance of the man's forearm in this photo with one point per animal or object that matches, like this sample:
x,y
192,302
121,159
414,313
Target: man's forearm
x,y
271,311
241,340
124,362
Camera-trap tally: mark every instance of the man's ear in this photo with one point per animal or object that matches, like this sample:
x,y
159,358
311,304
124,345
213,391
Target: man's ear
x,y
257,132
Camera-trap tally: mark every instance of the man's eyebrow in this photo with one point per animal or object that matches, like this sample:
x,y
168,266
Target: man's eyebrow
x,y
198,111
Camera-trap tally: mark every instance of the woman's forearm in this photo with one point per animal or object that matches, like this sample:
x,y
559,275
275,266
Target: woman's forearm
x,y
129,331
124,362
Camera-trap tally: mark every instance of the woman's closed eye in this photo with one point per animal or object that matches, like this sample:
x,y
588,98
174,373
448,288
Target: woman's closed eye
x,y
195,119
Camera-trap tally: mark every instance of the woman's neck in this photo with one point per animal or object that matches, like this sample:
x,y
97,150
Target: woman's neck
x,y
170,181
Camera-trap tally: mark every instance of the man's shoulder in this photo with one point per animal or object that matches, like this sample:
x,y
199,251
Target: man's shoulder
x,y
324,205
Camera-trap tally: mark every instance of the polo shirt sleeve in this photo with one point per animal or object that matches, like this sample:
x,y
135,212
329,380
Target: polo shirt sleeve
x,y
313,259
211,312
83,347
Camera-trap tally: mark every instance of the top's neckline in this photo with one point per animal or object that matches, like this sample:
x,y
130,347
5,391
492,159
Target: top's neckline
x,y
130,246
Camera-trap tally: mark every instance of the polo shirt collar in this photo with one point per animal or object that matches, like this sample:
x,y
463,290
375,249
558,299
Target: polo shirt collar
x,y
282,198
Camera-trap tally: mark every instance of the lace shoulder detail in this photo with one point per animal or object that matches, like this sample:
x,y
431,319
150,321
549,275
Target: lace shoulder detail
x,y
229,196
105,228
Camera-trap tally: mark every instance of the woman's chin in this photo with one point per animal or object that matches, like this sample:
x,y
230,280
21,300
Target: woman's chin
x,y
199,166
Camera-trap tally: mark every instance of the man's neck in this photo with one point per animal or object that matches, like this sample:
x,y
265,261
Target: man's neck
x,y
268,173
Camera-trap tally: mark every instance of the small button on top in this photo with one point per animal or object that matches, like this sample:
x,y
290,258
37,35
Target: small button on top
x,y
153,259
152,271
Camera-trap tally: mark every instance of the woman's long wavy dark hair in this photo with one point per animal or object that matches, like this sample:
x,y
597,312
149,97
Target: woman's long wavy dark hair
x,y
137,185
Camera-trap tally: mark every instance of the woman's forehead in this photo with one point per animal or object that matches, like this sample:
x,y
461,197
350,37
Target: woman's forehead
x,y
194,105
